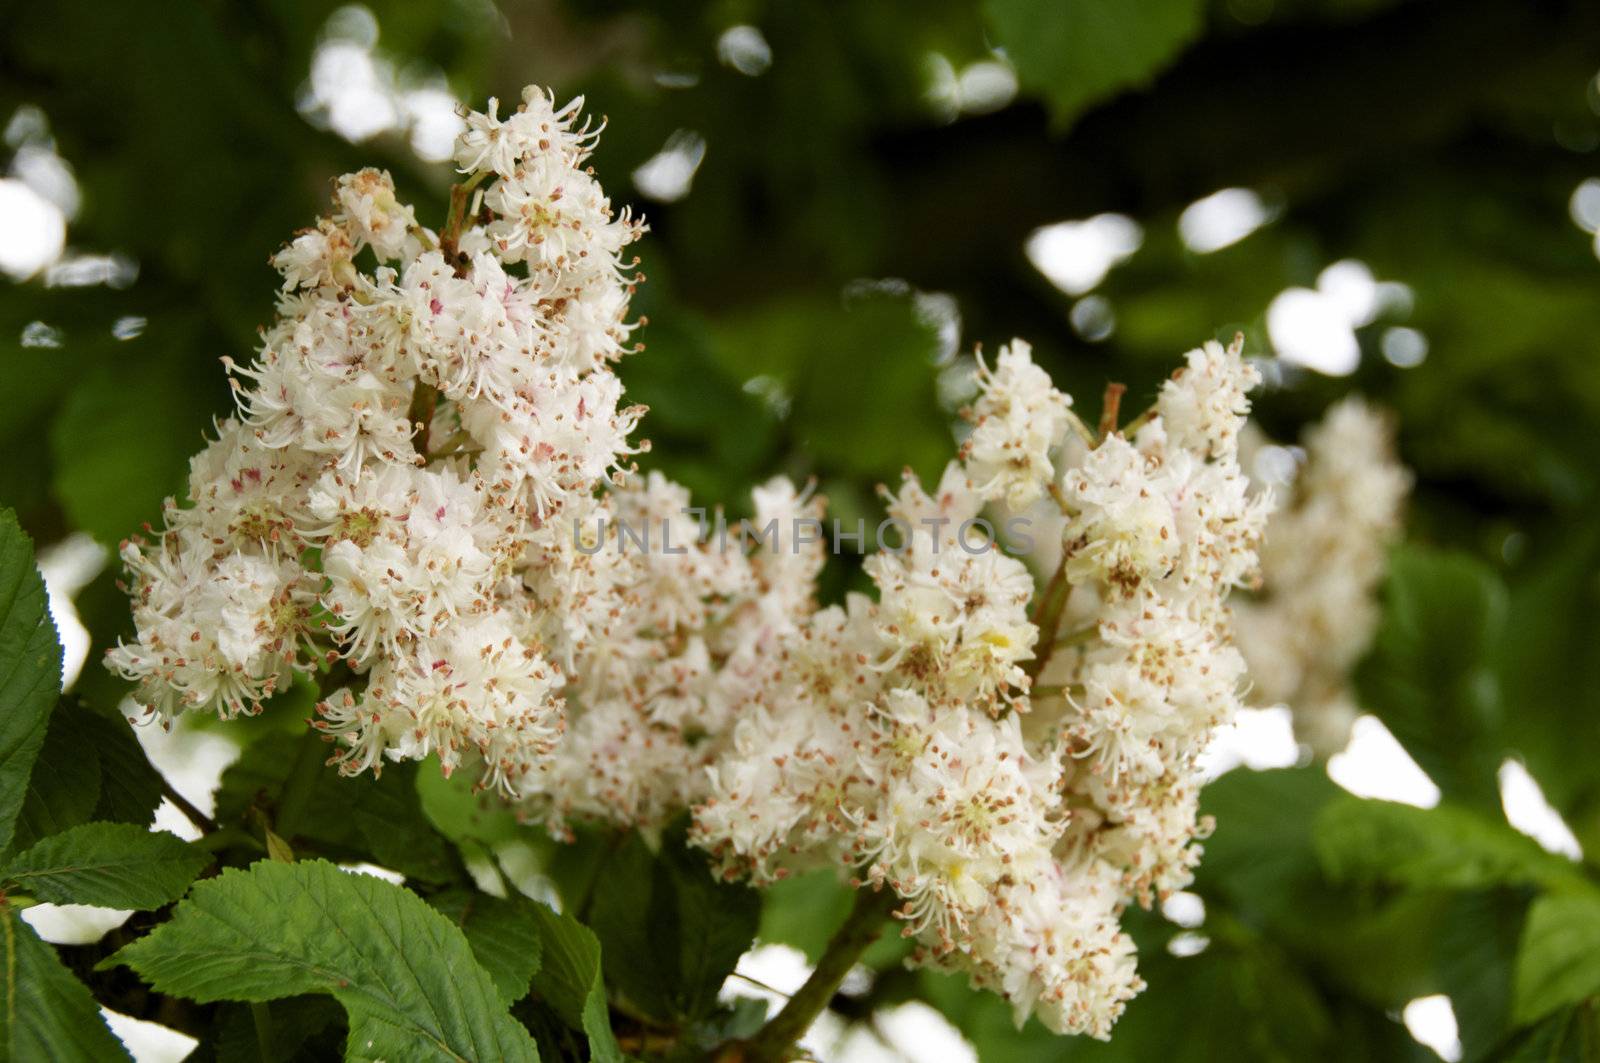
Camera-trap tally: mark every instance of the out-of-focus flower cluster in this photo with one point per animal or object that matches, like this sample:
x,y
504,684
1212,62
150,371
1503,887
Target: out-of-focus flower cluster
x,y
421,505
1325,554
1018,765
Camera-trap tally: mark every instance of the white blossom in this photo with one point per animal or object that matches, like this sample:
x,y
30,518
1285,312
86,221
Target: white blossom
x,y
427,505
1325,555
382,512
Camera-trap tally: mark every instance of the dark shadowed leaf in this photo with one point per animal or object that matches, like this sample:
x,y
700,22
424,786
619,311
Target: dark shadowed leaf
x,y
30,669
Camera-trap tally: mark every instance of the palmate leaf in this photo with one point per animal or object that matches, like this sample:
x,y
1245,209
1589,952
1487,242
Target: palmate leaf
x,y
30,669
46,1013
405,974
1076,53
114,865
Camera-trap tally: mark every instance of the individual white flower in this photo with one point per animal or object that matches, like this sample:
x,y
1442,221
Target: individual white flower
x,y
1051,944
536,128
475,688
217,635
557,218
1123,529
1018,420
320,257
367,204
1203,406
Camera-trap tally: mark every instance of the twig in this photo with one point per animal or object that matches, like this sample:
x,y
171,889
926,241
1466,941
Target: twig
x,y
203,823
776,1040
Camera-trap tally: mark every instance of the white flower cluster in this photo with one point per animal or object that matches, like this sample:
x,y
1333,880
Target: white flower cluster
x,y
669,635
1325,555
420,416
1017,766
421,503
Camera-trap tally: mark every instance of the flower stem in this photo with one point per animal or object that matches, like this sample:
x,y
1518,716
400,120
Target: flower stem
x,y
451,233
424,400
1111,409
1079,637
776,1040
1046,617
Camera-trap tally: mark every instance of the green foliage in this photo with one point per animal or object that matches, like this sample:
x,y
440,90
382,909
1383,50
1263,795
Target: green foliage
x,y
107,487
681,930
1443,847
569,978
766,353
114,865
30,669
47,1014
1570,1036
1559,961
90,767
804,911
405,974
284,777
297,1028
798,351
504,935
1076,53
1429,675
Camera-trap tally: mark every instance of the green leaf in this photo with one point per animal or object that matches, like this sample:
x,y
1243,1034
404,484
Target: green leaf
x,y
1261,867
569,978
294,1021
1569,1036
64,786
1429,677
1261,856
461,812
1558,962
130,786
114,865
405,974
681,929
1444,847
375,818
1077,53
801,348
1474,954
1544,655
30,669
504,935
90,767
48,1014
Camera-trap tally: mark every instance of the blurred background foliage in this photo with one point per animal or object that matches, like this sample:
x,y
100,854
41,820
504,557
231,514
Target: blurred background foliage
x,y
845,199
